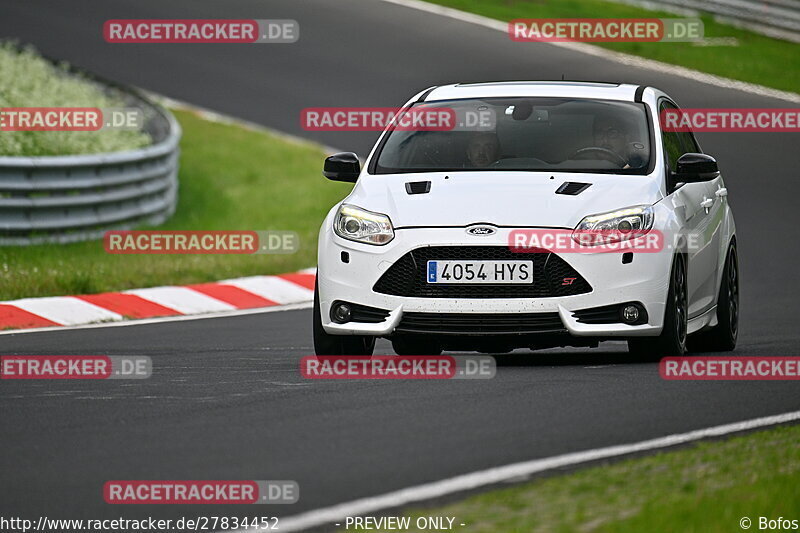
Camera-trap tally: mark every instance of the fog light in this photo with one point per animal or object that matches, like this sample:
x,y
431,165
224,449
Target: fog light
x,y
630,314
341,313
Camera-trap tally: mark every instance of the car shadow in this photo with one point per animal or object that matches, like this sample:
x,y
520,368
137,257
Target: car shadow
x,y
617,356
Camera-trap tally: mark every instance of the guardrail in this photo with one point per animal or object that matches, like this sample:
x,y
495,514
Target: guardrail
x,y
74,198
775,18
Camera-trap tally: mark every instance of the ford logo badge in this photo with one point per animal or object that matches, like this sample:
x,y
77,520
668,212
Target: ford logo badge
x,y
481,230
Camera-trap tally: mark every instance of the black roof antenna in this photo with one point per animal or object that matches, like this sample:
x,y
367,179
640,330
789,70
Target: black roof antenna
x,y
562,77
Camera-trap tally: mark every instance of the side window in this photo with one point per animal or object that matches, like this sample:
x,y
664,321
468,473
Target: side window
x,y
688,143
673,146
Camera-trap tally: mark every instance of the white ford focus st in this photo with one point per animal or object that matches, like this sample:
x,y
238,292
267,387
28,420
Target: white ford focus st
x,y
453,238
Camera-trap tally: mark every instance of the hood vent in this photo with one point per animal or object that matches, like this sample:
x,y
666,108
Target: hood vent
x,y
418,187
572,188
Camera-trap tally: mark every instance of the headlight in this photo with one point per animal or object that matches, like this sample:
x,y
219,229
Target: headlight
x,y
614,226
356,224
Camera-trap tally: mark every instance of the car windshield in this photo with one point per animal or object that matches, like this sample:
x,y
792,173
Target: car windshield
x,y
536,134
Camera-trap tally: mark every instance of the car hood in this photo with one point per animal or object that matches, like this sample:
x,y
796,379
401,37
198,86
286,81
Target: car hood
x,y
499,198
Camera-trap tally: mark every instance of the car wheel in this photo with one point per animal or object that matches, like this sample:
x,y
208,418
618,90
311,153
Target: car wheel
x,y
415,346
672,340
722,337
327,344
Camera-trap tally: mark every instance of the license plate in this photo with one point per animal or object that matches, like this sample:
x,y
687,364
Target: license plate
x,y
480,271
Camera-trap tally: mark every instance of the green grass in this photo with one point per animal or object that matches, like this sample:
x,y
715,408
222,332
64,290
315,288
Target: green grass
x,y
756,59
704,488
230,179
27,80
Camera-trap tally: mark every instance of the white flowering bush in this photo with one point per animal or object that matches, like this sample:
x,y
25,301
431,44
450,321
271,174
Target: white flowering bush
x,y
28,80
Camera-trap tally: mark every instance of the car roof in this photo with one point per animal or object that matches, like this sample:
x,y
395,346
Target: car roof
x,y
565,89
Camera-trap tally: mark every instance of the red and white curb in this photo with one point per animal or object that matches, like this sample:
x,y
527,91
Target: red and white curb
x,y
222,296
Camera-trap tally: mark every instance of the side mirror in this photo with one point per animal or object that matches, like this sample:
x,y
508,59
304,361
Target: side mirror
x,y
695,168
343,166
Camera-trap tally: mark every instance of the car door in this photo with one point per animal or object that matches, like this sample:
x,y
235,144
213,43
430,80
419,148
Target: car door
x,y
707,257
688,201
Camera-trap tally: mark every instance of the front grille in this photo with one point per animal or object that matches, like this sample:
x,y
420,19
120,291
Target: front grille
x,y
552,276
480,323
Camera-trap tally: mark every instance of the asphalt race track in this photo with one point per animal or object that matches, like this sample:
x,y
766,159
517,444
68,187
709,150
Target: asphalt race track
x,y
226,400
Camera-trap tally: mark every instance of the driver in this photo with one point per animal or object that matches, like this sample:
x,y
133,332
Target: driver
x,y
613,134
483,149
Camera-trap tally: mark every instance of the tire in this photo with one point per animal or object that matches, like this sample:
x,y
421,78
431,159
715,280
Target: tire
x,y
723,336
403,345
672,340
327,344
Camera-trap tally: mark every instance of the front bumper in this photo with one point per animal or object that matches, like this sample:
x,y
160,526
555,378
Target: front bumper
x,y
644,280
